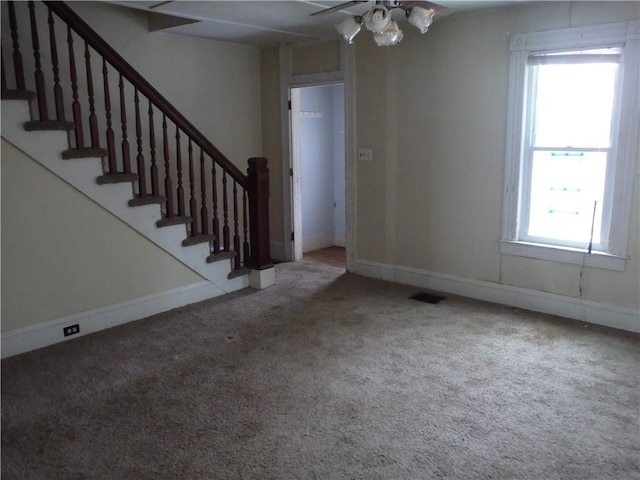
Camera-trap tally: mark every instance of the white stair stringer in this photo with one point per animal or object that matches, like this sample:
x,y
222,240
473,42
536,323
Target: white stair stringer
x,y
46,148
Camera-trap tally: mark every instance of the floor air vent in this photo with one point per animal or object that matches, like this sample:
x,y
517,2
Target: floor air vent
x,y
427,297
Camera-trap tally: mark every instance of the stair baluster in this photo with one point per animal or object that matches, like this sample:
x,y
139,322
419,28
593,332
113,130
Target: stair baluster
x,y
236,235
75,106
168,183
245,237
204,213
41,93
142,177
93,120
57,89
17,56
215,225
111,147
193,208
180,189
225,211
152,151
126,154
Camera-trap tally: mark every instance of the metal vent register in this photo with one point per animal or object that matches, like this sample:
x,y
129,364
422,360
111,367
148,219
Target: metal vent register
x,y
427,297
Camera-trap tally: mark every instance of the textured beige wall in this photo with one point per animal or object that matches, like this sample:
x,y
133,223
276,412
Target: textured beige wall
x,y
315,58
272,136
63,254
433,108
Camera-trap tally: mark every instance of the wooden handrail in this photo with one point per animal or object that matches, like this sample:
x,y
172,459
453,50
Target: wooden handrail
x,y
144,87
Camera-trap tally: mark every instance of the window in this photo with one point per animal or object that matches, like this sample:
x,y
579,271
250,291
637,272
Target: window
x,y
571,144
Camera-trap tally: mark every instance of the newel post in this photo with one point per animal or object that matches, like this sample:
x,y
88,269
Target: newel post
x,y
258,195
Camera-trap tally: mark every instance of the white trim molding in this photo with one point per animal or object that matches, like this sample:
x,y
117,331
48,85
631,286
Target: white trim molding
x,y
620,178
588,311
323,241
43,334
261,279
564,255
587,35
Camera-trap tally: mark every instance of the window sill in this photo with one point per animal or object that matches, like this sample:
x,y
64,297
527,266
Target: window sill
x,y
564,255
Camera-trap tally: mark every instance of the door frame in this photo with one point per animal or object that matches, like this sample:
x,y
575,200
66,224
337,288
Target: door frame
x,y
295,180
291,165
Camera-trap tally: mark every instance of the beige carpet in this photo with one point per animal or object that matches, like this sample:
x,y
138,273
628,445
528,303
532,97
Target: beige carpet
x,y
328,376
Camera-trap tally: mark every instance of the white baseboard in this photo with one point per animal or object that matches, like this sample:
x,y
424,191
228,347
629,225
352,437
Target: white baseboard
x,y
29,338
323,241
614,316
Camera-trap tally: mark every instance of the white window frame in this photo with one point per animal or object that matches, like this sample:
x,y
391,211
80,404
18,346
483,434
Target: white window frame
x,y
627,36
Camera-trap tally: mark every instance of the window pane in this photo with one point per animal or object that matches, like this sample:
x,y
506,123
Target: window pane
x,y
564,187
574,105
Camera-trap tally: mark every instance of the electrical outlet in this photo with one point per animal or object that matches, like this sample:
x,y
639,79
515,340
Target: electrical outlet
x,y
71,330
365,154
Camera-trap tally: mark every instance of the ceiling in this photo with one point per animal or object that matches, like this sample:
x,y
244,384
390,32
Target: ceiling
x,y
263,23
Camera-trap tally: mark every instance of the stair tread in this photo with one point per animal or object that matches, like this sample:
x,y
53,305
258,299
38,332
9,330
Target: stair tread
x,y
146,200
109,178
239,272
18,95
36,125
197,239
221,255
176,220
84,153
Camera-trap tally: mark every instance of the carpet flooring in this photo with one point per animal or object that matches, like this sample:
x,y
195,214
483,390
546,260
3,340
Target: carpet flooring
x,y
328,376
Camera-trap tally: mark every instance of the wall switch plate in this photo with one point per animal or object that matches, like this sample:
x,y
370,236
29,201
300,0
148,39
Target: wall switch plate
x,y
365,154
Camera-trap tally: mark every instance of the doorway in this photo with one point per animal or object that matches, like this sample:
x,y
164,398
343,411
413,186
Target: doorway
x,y
318,172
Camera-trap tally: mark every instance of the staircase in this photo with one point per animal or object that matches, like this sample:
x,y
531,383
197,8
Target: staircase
x,y
90,118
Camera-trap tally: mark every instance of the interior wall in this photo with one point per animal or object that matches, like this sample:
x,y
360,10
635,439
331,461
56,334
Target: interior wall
x,y
272,142
316,153
63,254
322,164
315,57
433,109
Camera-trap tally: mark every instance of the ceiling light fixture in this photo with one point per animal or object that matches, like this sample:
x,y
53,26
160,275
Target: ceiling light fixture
x,y
421,18
385,30
377,19
349,28
390,36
